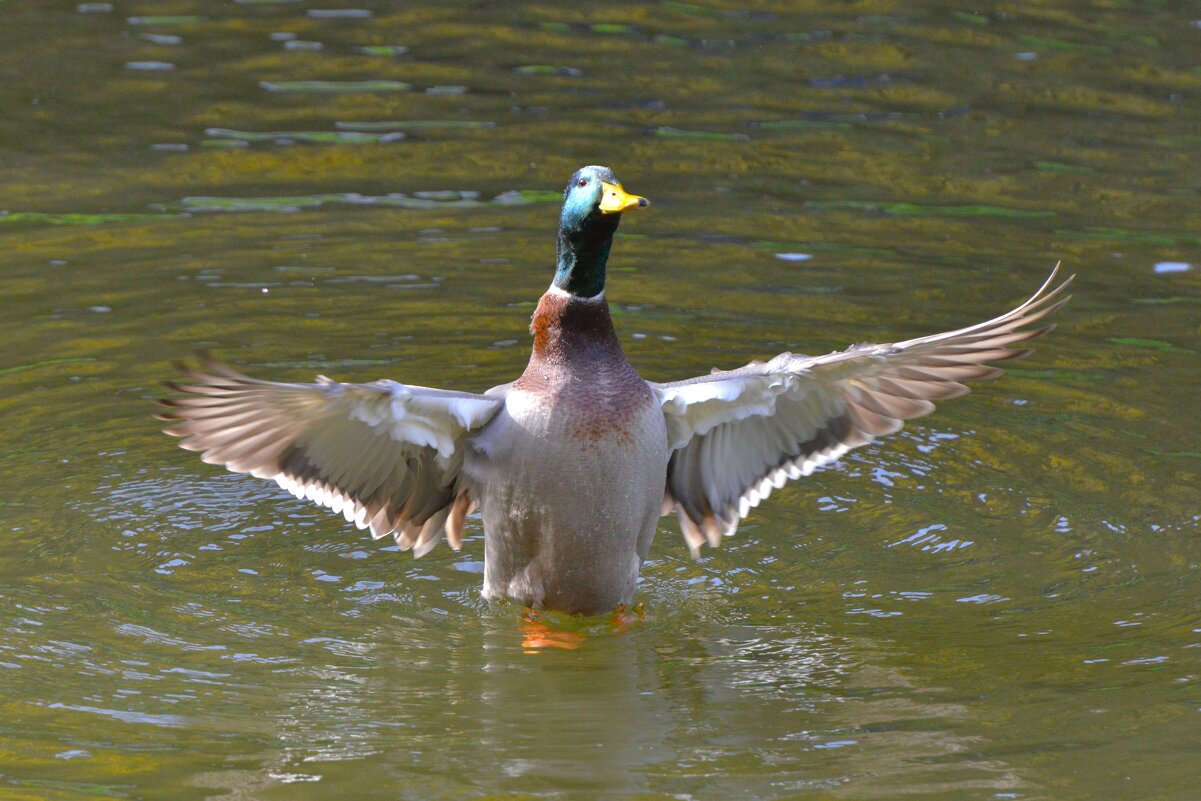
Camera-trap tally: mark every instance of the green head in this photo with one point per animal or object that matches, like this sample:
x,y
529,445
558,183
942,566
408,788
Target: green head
x,y
592,205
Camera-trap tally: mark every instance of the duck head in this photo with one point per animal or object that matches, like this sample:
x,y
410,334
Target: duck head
x,y
593,203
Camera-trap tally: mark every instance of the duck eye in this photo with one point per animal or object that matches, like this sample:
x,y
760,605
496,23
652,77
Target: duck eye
x,y
582,182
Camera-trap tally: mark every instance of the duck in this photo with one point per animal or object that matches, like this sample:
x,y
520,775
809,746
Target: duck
x,y
572,465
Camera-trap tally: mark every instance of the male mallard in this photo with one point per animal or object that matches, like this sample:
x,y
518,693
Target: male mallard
x,y
573,463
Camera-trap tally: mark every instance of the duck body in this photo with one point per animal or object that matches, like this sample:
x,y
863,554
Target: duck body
x,y
570,472
572,464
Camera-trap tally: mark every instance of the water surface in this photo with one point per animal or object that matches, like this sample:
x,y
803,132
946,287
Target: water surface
x,y
1000,602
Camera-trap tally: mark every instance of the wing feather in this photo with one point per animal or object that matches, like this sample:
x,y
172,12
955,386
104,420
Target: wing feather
x,y
737,434
387,456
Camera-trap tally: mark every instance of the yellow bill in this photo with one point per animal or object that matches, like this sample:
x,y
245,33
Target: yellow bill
x,y
616,200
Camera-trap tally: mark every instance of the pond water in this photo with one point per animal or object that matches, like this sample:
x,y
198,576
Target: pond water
x,y
1001,602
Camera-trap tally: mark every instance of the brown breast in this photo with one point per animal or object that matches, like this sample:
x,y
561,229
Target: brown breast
x,y
577,367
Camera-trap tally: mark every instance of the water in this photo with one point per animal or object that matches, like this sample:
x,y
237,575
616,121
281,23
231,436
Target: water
x,y
1001,602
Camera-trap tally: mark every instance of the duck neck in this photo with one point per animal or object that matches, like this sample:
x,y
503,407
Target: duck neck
x,y
583,252
569,329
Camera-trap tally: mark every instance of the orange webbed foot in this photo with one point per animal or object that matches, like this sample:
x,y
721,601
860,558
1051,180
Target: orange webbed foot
x,y
541,632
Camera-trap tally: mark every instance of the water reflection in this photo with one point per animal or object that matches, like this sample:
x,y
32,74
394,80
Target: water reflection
x,y
624,716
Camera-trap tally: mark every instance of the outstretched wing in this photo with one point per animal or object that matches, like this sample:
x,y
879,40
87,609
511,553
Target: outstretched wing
x,y
385,455
737,434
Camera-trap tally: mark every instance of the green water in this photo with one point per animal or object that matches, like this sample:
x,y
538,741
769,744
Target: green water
x,y
1002,602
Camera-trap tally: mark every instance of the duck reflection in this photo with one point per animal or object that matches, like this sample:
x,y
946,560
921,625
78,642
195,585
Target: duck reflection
x,y
702,708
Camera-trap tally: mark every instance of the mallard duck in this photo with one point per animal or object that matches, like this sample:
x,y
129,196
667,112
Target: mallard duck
x,y
572,464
